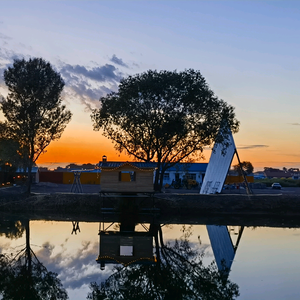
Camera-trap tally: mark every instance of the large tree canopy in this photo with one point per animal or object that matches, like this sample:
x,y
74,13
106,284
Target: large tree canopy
x,y
164,116
33,108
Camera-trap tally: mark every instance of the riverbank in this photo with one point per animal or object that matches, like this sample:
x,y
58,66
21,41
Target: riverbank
x,y
56,199
55,202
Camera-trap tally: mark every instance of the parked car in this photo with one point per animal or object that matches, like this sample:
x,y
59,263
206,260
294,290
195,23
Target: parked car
x,y
276,186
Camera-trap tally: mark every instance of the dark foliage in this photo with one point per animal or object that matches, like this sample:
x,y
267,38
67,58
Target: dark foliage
x,y
164,116
33,108
178,274
247,168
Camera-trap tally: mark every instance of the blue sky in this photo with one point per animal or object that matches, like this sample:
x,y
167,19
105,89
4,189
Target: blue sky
x,y
247,50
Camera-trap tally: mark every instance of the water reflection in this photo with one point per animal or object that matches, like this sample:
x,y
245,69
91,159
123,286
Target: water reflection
x,y
172,271
22,275
222,244
12,229
135,260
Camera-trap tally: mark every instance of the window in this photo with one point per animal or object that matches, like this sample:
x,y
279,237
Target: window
x,y
126,250
127,176
166,176
191,176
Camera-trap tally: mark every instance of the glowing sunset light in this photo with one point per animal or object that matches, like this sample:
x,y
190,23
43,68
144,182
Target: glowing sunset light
x,y
247,52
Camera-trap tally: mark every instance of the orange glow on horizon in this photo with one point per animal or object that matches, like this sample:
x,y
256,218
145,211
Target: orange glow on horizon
x,y
83,145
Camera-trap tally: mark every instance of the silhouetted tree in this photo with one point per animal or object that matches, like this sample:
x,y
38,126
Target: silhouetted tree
x,y
33,108
12,229
24,277
247,167
10,154
164,116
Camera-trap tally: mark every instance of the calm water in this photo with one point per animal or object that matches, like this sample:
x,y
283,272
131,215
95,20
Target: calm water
x,y
264,261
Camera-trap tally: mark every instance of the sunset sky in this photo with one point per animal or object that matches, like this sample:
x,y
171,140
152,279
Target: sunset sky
x,y
248,51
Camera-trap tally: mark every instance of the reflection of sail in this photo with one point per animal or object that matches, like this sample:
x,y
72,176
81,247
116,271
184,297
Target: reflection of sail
x,y
223,248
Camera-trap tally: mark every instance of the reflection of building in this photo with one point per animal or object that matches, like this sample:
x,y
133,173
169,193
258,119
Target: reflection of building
x,y
223,244
125,248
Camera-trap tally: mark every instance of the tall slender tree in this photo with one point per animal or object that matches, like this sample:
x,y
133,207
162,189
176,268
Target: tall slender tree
x,y
33,108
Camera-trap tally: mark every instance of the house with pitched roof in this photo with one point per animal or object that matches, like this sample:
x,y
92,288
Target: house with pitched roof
x,y
277,173
125,177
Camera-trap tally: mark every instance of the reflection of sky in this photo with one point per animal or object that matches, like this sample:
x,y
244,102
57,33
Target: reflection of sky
x,y
266,265
72,256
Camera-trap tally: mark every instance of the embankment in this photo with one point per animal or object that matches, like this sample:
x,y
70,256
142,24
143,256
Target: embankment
x,y
189,208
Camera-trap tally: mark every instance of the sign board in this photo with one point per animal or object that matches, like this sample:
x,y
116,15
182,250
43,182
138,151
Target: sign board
x,y
218,166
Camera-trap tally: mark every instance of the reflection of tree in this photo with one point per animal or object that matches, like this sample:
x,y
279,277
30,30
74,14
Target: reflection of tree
x,y
24,277
11,229
178,274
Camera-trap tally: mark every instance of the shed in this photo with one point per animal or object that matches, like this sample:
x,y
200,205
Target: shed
x,y
126,177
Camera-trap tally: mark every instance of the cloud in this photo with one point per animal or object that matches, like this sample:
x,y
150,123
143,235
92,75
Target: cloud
x,y
118,61
4,37
101,74
7,58
89,84
76,269
296,124
252,146
83,83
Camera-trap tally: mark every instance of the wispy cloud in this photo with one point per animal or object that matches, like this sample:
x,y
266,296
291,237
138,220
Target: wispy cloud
x,y
102,74
118,61
86,84
252,146
296,124
4,36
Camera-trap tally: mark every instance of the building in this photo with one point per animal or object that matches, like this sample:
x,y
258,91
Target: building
x,y
123,174
124,177
181,171
276,173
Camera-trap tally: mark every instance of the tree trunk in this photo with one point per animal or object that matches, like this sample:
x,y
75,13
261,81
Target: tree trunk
x,y
28,252
30,163
157,187
29,180
161,180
